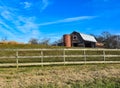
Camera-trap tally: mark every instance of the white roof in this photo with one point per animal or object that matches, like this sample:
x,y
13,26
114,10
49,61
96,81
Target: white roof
x,y
88,37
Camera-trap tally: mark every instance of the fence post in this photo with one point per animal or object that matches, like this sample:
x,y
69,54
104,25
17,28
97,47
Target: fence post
x,y
85,56
104,55
64,56
17,60
42,58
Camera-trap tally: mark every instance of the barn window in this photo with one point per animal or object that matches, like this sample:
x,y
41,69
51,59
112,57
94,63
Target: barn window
x,y
74,37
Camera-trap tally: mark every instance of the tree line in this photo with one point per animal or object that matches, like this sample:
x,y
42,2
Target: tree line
x,y
44,41
109,40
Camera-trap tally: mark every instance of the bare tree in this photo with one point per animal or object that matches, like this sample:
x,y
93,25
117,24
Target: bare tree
x,y
100,39
118,43
58,42
109,40
115,41
33,41
44,41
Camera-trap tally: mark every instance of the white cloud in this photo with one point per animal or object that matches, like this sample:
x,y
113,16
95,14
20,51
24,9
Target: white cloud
x,y
26,4
68,20
27,26
45,4
29,29
42,4
6,27
6,33
5,14
13,24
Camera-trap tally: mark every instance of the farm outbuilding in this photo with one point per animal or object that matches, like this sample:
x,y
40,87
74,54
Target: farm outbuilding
x,y
76,39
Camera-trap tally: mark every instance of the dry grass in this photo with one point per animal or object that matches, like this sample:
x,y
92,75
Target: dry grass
x,y
58,76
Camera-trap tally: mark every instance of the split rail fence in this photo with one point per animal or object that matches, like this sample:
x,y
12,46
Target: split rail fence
x,y
29,57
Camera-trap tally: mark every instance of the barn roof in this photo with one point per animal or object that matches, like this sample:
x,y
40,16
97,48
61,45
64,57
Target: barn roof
x,y
88,37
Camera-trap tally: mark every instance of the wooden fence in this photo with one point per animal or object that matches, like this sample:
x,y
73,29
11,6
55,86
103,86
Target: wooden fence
x,y
103,54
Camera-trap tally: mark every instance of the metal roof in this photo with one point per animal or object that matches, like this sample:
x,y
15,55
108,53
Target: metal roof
x,y
88,37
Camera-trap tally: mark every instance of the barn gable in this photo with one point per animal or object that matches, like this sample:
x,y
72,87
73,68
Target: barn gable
x,y
84,40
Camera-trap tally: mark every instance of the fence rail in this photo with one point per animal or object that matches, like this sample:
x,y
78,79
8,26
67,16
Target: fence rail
x,y
84,56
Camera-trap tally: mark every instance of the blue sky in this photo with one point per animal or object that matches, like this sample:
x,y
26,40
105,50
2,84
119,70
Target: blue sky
x,y
21,20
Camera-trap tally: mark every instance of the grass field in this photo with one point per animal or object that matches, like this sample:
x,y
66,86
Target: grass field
x,y
72,76
67,76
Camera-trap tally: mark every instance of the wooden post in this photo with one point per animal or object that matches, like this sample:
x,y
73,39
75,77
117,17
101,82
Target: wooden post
x,y
64,56
17,60
42,58
85,57
104,55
